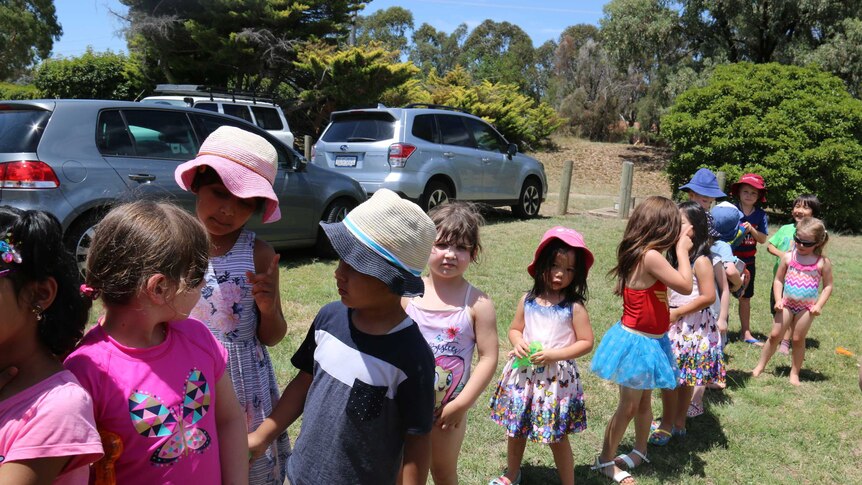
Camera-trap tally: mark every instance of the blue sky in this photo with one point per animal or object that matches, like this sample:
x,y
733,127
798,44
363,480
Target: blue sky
x,y
89,23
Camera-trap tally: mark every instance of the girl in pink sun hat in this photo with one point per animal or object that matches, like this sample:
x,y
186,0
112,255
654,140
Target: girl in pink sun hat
x,y
232,177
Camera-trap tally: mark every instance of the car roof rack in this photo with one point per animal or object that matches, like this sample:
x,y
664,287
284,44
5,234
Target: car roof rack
x,y
212,92
436,106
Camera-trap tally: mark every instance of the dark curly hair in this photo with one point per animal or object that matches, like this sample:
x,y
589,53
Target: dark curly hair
x,y
38,237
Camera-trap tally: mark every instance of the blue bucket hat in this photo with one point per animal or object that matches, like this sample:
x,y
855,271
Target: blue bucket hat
x,y
725,221
704,183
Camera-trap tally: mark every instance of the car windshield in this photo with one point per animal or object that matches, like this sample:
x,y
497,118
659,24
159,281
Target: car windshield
x,y
359,127
21,129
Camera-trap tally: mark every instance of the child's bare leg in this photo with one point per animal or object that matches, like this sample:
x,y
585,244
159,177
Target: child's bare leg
x,y
562,451
515,454
669,399
745,317
445,447
800,330
768,350
629,405
697,395
683,399
643,421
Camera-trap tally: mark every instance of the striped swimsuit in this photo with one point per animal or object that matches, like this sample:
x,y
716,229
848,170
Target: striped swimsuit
x,y
801,285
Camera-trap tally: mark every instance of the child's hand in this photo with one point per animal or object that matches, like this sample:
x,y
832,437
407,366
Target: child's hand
x,y
451,415
543,357
522,349
263,287
747,227
256,446
674,315
722,325
815,310
779,305
684,244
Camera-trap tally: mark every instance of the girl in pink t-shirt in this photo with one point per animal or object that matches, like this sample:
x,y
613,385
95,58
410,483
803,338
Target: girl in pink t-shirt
x,y
455,317
47,432
158,378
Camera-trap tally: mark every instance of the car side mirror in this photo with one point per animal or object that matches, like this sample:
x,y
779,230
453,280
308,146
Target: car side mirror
x,y
511,150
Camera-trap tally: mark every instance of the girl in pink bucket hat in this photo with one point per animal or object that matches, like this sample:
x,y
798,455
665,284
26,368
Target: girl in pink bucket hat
x,y
232,177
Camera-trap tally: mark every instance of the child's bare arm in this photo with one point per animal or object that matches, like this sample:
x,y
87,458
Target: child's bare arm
x,y
416,460
33,472
679,279
706,281
583,340
516,331
827,288
778,282
288,408
230,423
488,348
724,296
774,250
734,279
267,298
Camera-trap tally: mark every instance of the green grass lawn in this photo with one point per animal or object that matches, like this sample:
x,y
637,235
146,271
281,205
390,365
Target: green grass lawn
x,y
758,430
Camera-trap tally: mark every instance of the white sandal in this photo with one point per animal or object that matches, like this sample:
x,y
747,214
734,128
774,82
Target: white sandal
x,y
630,464
618,477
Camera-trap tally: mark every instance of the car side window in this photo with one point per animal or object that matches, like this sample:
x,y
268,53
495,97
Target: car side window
x,y
425,128
267,118
238,110
161,134
207,106
112,137
208,124
485,136
454,132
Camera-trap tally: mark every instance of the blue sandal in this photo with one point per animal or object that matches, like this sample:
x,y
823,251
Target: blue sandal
x,y
660,437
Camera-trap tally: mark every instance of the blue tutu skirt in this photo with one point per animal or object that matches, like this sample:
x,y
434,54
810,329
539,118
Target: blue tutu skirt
x,y
635,361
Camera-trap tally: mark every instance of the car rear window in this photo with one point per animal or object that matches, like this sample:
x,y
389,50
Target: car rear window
x,y
267,118
358,127
21,129
238,110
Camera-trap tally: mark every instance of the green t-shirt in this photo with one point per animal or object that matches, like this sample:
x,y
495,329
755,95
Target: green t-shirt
x,y
782,240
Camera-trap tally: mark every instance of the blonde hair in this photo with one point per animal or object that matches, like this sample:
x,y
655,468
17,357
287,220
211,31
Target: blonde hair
x,y
140,239
816,228
654,224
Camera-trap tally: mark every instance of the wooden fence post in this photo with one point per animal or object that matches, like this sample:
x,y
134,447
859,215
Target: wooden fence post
x,y
626,189
565,185
721,179
308,147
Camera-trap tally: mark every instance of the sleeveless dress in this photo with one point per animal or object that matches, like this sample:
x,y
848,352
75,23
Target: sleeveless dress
x,y
542,403
449,332
636,352
801,285
227,308
696,342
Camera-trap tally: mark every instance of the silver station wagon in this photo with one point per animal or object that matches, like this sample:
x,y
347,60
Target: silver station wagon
x,y
429,154
77,158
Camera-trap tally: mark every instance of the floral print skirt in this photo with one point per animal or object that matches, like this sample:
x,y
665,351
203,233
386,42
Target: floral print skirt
x,y
541,403
696,343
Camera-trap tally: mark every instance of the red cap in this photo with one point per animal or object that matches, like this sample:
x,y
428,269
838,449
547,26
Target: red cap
x,y
569,236
753,180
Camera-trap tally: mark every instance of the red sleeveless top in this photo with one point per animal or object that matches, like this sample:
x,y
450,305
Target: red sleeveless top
x,y
646,310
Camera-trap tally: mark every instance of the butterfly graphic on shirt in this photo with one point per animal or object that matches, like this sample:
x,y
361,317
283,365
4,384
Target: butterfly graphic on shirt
x,y
153,419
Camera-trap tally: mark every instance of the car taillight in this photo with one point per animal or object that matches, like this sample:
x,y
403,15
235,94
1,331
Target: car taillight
x,y
28,174
313,151
399,153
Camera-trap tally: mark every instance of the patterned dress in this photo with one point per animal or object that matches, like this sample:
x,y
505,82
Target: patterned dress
x,y
696,342
801,284
227,308
542,403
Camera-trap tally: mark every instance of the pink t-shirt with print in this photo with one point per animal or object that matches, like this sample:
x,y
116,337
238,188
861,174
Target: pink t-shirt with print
x,y
53,418
160,401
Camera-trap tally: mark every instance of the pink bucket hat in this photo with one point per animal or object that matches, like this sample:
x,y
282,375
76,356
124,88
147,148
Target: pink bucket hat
x,y
245,162
569,236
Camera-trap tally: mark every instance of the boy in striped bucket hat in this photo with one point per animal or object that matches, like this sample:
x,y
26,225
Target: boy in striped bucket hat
x,y
365,382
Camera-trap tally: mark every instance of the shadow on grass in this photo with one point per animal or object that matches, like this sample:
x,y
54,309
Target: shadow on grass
x,y
805,375
682,456
737,378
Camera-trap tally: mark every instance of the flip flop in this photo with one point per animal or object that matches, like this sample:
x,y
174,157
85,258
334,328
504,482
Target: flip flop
x,y
754,341
660,437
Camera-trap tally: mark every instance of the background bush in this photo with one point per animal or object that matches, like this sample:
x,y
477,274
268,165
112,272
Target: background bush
x,y
17,91
102,75
797,127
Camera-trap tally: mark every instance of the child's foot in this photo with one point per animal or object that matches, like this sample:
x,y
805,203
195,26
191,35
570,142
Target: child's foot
x,y
610,470
794,379
694,410
757,371
784,347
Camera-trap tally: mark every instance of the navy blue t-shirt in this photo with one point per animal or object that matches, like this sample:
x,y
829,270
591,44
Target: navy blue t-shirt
x,y
367,393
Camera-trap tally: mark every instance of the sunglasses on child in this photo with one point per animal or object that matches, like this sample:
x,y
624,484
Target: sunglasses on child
x,y
804,244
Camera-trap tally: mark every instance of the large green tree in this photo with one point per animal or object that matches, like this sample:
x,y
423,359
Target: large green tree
x,y
389,27
435,50
236,43
500,52
28,29
797,127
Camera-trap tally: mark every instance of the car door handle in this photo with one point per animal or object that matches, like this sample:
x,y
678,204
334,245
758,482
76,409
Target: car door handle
x,y
448,154
141,177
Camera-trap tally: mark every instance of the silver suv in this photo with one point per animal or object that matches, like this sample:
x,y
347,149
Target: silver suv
x,y
429,154
76,158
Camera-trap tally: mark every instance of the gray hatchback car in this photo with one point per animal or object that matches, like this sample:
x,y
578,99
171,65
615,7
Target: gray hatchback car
x,y
77,158
429,154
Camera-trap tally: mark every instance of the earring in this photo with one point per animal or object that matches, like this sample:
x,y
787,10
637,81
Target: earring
x,y
37,310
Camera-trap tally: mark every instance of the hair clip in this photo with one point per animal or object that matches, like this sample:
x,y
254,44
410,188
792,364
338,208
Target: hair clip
x,y
8,251
89,291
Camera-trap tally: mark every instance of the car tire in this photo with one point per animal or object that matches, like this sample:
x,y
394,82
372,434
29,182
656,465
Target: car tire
x,y
79,236
334,213
529,200
436,193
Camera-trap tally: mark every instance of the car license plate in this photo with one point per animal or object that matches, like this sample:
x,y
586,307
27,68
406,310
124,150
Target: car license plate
x,y
345,161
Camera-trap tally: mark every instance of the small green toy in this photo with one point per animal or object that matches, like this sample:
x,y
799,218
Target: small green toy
x,y
525,361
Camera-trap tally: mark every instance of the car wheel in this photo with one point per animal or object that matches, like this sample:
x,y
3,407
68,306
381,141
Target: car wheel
x,y
79,236
336,212
436,193
529,201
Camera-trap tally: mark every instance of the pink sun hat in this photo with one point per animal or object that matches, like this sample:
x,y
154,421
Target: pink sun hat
x,y
245,162
569,236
